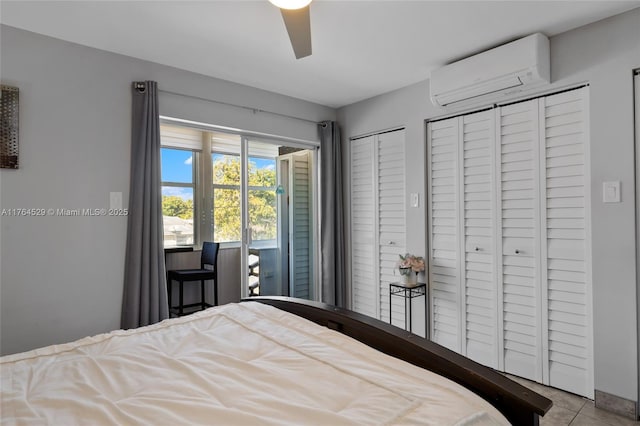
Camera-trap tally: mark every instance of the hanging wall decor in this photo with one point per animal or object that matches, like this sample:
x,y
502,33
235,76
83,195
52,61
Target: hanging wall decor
x,y
9,102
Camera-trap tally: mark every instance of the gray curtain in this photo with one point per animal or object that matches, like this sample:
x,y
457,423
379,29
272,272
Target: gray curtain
x,y
332,222
145,287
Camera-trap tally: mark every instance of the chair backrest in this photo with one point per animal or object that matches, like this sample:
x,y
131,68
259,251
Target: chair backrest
x,y
209,255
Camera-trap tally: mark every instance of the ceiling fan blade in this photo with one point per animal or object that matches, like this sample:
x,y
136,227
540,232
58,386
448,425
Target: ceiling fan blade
x,y
298,26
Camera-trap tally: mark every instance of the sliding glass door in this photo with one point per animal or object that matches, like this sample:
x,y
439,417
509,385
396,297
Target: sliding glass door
x,y
279,217
256,195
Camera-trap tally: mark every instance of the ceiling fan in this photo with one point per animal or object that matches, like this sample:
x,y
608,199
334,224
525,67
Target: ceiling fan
x,y
296,18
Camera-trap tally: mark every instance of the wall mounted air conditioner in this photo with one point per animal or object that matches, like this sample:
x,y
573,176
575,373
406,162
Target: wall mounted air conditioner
x,y
495,73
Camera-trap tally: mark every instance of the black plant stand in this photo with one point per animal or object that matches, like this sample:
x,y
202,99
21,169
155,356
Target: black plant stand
x,y
408,292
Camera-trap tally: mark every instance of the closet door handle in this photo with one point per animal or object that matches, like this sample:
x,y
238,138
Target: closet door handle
x,y
391,243
477,249
517,251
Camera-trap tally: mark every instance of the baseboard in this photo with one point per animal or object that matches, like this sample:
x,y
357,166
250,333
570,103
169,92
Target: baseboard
x,y
616,404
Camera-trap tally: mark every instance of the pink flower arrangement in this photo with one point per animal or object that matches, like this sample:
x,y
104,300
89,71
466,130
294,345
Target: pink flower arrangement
x,y
410,263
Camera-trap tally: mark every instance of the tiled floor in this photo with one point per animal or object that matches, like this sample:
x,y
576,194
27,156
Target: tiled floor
x,y
574,410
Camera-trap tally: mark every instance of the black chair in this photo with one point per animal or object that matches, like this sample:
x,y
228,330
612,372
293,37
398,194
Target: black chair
x,y
209,257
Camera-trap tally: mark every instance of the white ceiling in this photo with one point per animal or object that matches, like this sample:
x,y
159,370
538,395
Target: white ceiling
x,y
360,48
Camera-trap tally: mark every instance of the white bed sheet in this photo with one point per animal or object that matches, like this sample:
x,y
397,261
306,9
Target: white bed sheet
x,y
237,364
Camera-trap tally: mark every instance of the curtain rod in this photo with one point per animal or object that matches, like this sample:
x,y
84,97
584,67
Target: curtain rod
x,y
254,110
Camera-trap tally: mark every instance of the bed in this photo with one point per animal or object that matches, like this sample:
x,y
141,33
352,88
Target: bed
x,y
265,361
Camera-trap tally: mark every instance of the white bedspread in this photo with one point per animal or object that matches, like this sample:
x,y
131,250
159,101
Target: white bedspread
x,y
238,364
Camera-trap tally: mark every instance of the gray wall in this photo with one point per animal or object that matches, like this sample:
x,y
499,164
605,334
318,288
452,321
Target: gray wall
x,y
61,277
604,55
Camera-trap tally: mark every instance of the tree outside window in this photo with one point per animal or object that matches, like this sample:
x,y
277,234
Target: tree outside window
x,y
226,198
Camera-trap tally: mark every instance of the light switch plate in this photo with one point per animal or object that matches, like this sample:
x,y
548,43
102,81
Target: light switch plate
x,y
115,200
415,199
611,192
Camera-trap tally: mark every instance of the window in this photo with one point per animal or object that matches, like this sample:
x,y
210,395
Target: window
x,y
183,182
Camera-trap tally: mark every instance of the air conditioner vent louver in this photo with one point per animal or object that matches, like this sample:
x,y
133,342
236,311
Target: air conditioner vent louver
x,y
490,75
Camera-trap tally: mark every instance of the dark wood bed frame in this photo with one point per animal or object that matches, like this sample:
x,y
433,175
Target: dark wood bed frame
x,y
518,404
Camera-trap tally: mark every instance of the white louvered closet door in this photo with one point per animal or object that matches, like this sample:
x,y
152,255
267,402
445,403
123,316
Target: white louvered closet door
x,y
442,209
520,279
568,278
378,222
363,228
509,239
478,245
391,218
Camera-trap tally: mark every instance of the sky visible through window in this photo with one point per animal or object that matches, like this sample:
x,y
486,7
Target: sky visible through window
x,y
177,165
